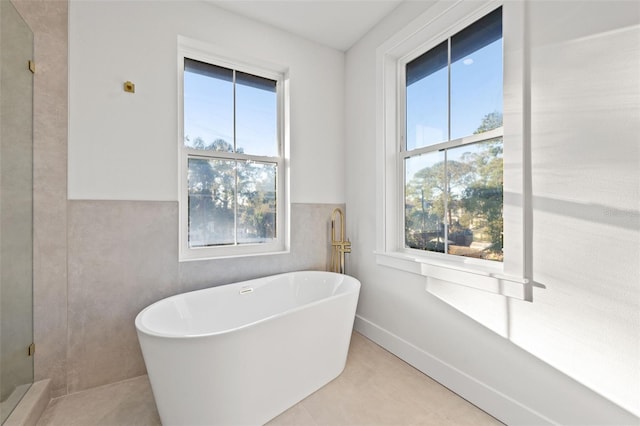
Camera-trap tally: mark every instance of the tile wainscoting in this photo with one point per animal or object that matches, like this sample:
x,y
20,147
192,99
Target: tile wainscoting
x,y
123,256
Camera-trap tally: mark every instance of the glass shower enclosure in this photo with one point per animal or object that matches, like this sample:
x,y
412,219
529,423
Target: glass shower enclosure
x,y
16,208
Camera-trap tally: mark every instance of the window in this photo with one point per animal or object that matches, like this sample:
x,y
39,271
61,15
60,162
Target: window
x,y
452,150
453,176
233,200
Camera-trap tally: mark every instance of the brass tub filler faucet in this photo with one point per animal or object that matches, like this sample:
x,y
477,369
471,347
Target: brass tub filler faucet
x,y
339,247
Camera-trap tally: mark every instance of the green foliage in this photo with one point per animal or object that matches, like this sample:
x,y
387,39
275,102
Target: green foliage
x,y
491,121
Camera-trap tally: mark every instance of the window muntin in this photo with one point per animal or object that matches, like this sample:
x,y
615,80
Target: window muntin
x,y
453,170
232,161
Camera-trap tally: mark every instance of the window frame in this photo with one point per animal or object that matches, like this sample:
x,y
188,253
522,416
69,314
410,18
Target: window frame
x,y
204,52
445,146
437,24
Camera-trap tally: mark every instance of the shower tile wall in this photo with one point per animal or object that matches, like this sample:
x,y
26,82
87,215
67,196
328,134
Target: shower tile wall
x,y
123,256
49,22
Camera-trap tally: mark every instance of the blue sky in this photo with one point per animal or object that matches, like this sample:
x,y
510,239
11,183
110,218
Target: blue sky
x,y
209,114
476,90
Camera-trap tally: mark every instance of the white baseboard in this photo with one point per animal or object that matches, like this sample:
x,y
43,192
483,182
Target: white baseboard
x,y
499,405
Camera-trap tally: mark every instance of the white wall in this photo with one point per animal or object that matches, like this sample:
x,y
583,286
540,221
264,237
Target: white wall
x,y
124,146
570,356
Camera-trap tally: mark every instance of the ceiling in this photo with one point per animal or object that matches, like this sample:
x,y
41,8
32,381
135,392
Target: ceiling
x,y
334,23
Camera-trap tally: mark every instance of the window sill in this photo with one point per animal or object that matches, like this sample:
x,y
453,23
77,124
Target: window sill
x,y
191,257
478,277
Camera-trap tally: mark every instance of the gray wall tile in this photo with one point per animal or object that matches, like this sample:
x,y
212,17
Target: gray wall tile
x,y
123,255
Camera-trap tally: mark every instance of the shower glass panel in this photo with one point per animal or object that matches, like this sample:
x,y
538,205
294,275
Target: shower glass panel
x,y
16,208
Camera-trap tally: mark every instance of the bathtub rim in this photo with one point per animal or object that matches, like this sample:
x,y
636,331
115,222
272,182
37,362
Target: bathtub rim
x,y
140,328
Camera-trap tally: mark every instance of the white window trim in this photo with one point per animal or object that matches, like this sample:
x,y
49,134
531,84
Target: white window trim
x,y
201,51
443,19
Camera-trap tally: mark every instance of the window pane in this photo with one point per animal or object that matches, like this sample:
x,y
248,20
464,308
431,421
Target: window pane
x,y
476,77
211,202
427,105
474,208
424,202
208,106
256,202
256,115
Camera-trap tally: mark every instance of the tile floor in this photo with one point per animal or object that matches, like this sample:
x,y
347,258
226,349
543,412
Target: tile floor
x,y
376,388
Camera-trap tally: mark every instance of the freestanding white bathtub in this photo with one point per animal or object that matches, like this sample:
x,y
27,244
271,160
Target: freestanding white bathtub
x,y
240,354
